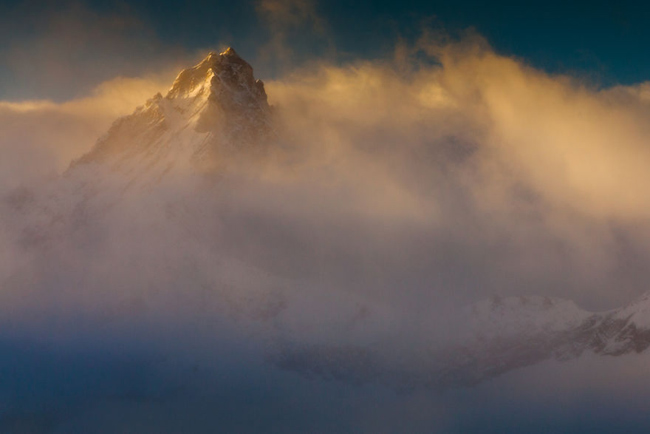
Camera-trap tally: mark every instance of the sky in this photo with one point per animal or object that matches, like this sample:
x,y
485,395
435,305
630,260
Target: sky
x,y
432,155
602,42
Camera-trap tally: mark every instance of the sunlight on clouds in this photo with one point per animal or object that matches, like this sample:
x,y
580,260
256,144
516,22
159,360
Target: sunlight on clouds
x,y
568,142
540,155
524,172
571,144
55,133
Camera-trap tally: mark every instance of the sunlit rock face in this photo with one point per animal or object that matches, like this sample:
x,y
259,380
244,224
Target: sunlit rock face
x,y
212,111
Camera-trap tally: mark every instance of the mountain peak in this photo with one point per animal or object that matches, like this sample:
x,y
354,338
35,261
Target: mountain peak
x,y
222,94
230,52
214,59
222,75
211,107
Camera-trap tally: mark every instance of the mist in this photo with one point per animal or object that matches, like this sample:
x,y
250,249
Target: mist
x,y
396,192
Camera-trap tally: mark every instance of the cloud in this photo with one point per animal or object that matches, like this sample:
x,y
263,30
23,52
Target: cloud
x,y
399,189
540,170
283,14
468,173
39,138
451,168
292,24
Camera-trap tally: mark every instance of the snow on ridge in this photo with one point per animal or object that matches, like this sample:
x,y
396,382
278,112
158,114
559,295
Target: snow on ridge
x,y
637,312
506,314
510,316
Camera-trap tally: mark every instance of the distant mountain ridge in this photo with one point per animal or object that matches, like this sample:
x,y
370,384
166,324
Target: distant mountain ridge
x,y
501,334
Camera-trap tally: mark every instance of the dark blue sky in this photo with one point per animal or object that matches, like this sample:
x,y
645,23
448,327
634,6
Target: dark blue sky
x,y
604,42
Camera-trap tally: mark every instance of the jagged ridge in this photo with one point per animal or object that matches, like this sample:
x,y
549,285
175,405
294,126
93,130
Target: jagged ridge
x,y
211,109
502,334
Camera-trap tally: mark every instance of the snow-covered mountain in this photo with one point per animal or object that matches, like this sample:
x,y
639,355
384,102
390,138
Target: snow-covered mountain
x,y
515,332
215,114
211,111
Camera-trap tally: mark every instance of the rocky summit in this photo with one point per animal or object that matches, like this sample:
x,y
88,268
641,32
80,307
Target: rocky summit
x,y
212,110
